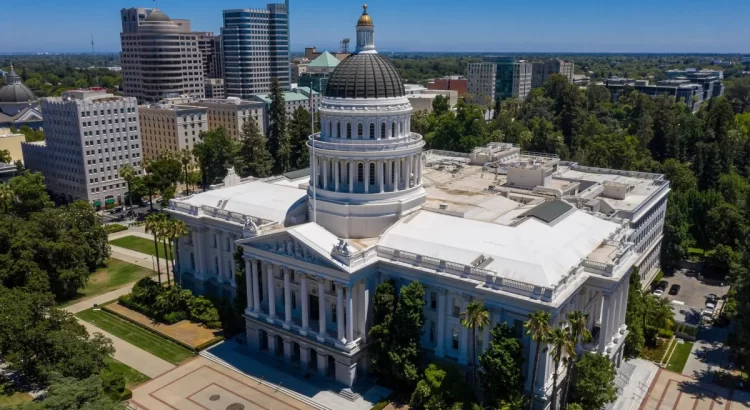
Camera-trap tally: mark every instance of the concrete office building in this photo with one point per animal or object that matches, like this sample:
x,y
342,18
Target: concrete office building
x,y
517,231
498,78
298,67
11,142
300,97
207,43
170,127
255,46
454,82
681,89
542,71
231,113
89,134
215,88
318,71
160,57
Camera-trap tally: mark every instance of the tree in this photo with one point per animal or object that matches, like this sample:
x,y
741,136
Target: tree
x,y
162,233
174,231
254,158
68,393
165,172
5,156
30,193
278,135
595,382
300,134
186,158
153,222
440,104
6,196
539,328
563,349
579,333
475,317
127,172
408,321
215,152
738,93
380,338
502,366
441,388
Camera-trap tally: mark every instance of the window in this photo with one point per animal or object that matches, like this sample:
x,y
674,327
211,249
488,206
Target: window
x,y
382,131
433,300
393,130
192,261
360,172
372,130
215,240
338,129
348,130
432,332
360,130
333,313
294,300
456,307
454,338
372,174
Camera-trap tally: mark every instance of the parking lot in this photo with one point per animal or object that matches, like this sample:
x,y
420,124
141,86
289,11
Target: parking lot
x,y
693,288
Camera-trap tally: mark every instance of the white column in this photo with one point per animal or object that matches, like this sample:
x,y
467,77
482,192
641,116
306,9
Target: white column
x,y
336,174
366,166
305,303
419,168
606,323
408,172
340,311
349,315
271,294
624,309
249,284
352,175
388,175
256,288
397,180
325,172
381,175
439,349
321,310
287,299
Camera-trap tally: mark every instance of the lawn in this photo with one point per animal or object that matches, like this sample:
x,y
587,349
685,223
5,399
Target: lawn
x,y
138,244
655,354
132,377
156,345
679,357
113,276
9,396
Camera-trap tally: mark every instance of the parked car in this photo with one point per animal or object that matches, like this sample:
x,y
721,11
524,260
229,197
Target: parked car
x,y
658,292
708,312
711,298
662,285
675,289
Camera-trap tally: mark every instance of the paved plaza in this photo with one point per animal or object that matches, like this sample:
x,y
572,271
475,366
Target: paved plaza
x,y
201,384
672,391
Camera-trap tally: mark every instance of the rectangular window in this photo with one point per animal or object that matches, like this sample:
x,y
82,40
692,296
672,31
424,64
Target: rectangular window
x,y
433,300
456,307
456,332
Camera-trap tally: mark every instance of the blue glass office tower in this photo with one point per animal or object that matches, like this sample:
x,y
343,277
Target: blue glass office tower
x,y
255,46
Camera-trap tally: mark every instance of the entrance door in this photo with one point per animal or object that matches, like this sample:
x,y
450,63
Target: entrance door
x,y
313,308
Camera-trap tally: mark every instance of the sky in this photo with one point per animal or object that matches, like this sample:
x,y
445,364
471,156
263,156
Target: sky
x,y
676,26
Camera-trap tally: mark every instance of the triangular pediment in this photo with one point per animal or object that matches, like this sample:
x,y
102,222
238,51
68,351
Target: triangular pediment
x,y
287,245
28,115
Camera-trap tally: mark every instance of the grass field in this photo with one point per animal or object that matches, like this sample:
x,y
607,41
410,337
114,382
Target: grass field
x,y
156,345
679,357
113,276
9,396
656,353
132,377
138,244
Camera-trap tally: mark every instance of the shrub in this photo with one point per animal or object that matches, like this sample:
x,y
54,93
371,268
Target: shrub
x,y
174,317
203,311
665,334
650,334
381,404
659,276
113,384
112,228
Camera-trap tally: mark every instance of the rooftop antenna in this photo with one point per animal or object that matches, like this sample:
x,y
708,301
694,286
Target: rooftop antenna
x,y
93,51
345,46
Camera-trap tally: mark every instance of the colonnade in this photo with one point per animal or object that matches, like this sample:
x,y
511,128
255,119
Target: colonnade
x,y
367,176
397,127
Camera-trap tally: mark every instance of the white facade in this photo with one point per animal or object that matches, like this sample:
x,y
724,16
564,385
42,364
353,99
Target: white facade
x,y
520,232
89,135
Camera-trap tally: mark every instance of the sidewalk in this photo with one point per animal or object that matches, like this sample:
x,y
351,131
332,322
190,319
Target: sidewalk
x,y
137,258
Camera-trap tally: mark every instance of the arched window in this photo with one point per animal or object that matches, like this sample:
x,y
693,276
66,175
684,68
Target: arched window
x,y
360,130
330,128
333,313
348,130
338,129
393,172
372,173
393,130
382,130
372,130
360,172
401,127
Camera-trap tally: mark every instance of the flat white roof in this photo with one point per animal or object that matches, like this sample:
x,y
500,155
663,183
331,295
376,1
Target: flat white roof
x,y
258,199
531,252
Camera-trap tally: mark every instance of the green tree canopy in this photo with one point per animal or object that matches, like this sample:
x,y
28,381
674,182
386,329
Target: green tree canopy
x,y
595,382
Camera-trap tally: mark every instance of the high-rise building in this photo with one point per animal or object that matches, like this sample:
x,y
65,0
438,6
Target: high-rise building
x,y
232,113
170,127
89,134
255,46
215,88
318,71
542,71
498,78
207,47
160,57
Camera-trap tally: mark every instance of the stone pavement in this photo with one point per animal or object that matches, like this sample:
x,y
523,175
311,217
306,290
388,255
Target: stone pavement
x,y
635,384
202,384
672,391
716,355
132,356
101,299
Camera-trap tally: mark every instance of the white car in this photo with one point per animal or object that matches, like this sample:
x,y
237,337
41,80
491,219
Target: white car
x,y
708,312
658,292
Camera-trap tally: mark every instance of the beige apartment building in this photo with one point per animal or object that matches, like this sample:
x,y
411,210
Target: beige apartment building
x,y
232,113
170,127
542,71
11,142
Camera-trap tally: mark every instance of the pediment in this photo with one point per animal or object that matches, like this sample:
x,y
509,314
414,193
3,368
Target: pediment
x,y
286,245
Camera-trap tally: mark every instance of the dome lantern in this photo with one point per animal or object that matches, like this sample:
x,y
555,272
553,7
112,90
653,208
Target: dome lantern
x,y
365,33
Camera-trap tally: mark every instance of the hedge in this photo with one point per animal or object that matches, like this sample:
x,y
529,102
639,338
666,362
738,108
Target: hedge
x,y
112,228
126,394
658,278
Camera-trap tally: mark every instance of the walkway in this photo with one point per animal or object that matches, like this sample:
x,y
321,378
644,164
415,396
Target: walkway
x,y
716,355
137,258
672,391
633,379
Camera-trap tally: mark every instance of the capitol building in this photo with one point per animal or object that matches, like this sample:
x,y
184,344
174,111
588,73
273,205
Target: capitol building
x,y
516,230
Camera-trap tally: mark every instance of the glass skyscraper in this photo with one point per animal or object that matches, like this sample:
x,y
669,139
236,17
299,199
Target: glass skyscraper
x,y
255,46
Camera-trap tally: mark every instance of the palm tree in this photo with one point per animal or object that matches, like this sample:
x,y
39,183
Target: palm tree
x,y
152,225
539,329
579,334
661,314
563,347
6,195
127,172
475,317
163,232
186,157
176,230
